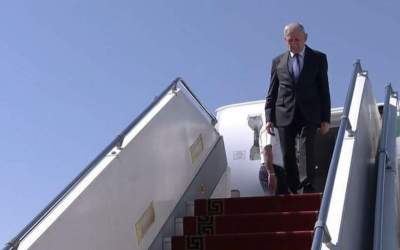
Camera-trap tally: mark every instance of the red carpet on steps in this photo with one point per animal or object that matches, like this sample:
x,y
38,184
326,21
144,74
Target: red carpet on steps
x,y
251,223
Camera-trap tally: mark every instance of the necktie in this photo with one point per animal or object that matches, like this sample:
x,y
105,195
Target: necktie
x,y
296,67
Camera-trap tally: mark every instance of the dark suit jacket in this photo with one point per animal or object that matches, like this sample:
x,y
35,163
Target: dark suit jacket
x,y
310,94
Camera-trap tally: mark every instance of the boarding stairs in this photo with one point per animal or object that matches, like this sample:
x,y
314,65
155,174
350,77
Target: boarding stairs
x,y
141,192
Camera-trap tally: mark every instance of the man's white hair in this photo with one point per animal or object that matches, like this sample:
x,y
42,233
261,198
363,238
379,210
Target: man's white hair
x,y
293,26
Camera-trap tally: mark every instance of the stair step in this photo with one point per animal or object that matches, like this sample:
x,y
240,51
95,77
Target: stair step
x,y
249,205
249,223
294,240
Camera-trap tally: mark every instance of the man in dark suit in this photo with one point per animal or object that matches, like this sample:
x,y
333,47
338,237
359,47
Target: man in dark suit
x,y
298,103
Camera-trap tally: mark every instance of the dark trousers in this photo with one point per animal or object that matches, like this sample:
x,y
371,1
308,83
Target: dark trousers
x,y
306,132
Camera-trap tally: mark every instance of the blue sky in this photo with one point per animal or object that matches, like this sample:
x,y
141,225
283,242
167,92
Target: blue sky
x,y
73,74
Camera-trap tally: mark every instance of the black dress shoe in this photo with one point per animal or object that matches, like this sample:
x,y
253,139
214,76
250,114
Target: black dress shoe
x,y
308,189
293,191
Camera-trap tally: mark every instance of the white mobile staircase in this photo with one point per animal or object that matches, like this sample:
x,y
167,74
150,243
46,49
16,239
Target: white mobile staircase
x,y
134,193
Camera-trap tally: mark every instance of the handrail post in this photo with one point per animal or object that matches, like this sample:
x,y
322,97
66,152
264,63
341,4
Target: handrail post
x,y
349,128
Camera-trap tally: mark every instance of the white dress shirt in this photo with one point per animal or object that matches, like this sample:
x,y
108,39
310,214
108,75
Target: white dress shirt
x,y
273,140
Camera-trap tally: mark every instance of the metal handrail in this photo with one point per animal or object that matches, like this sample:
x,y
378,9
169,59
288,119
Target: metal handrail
x,y
321,233
117,142
383,160
181,81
